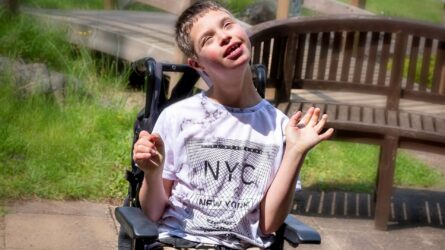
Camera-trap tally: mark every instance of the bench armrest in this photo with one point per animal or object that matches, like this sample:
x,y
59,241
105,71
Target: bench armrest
x,y
136,224
297,232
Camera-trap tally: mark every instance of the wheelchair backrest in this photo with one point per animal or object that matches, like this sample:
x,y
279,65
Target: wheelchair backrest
x,y
157,98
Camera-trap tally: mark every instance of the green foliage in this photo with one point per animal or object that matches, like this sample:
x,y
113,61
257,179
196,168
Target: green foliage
x,y
65,4
236,6
426,10
75,149
27,41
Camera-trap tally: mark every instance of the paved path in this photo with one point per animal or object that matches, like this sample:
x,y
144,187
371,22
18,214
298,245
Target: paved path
x,y
43,224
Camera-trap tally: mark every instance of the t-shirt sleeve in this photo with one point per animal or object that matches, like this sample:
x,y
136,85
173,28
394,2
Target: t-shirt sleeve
x,y
166,129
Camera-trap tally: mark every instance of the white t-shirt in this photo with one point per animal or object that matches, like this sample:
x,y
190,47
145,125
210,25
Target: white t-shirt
x,y
222,161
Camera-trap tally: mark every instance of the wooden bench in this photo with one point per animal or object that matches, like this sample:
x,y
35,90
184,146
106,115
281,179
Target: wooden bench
x,y
399,61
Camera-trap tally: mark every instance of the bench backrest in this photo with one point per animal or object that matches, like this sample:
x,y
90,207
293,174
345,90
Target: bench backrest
x,y
377,55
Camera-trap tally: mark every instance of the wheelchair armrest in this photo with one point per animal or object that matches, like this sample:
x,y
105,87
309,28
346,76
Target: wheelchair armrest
x,y
297,232
136,224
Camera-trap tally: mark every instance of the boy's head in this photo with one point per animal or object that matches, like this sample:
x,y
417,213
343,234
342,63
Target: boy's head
x,y
185,23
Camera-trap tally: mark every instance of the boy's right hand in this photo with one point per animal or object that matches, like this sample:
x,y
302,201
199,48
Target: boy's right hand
x,y
148,152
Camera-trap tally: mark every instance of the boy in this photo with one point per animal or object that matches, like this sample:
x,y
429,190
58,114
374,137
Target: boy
x,y
217,169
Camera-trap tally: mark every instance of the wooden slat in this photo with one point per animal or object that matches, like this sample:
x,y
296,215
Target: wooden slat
x,y
393,97
276,61
336,46
372,57
392,118
323,55
284,107
288,68
404,120
310,60
439,124
439,69
361,44
425,65
266,54
428,123
416,122
343,112
256,53
412,62
368,115
379,116
293,108
306,107
301,44
386,42
347,53
331,111
355,114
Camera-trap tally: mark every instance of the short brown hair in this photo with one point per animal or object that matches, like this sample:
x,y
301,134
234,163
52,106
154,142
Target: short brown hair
x,y
185,23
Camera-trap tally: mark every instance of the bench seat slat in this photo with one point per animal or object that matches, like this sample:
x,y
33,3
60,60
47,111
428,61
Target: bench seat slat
x,y
404,120
440,125
428,123
392,118
293,108
343,112
331,111
380,116
368,114
416,122
356,114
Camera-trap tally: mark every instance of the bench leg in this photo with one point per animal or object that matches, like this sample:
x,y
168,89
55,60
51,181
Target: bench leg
x,y
385,180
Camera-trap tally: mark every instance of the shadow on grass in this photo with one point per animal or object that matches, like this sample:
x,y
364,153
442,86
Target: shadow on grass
x,y
409,207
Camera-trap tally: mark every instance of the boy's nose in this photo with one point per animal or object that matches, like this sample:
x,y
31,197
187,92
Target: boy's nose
x,y
225,39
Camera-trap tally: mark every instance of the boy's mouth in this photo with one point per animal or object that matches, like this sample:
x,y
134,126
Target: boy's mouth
x,y
233,51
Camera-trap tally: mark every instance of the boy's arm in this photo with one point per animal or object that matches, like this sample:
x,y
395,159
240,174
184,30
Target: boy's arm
x,y
301,136
148,153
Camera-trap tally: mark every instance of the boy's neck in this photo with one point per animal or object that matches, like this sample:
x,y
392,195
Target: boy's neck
x,y
235,90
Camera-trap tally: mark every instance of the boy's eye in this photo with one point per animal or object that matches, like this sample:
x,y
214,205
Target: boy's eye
x,y
205,40
228,24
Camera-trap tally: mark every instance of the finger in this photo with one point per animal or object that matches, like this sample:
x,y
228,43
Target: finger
x,y
306,118
314,118
293,121
326,135
319,126
140,157
157,139
143,134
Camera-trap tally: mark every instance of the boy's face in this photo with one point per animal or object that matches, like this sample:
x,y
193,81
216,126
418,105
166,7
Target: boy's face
x,y
219,42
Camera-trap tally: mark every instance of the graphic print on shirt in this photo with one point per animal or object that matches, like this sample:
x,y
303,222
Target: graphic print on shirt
x,y
228,177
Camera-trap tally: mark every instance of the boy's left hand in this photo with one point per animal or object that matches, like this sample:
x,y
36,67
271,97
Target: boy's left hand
x,y
303,133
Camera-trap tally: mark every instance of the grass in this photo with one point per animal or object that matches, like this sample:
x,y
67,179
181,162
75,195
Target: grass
x,y
66,4
426,10
343,166
79,149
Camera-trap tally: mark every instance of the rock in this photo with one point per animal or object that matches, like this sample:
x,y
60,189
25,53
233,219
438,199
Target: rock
x,y
259,12
36,78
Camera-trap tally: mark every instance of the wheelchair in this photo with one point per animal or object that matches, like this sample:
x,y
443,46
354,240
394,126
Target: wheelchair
x,y
136,230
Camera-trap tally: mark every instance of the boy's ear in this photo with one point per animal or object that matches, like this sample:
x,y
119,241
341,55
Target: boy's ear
x,y
194,64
